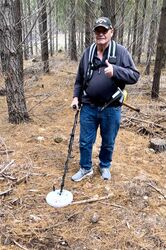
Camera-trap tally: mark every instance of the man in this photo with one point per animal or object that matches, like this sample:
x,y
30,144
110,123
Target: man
x,y
97,84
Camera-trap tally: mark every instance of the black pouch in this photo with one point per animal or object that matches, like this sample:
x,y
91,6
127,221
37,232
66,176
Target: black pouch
x,y
112,60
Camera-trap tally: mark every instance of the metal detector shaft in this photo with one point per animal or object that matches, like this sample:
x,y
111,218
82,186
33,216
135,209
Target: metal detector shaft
x,y
69,150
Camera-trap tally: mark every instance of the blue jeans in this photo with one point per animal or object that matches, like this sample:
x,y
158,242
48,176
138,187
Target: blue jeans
x,y
91,117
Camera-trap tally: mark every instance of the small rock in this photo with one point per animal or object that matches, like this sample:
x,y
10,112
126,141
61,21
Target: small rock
x,y
34,218
158,144
35,78
152,150
40,138
146,197
58,139
107,188
35,138
95,218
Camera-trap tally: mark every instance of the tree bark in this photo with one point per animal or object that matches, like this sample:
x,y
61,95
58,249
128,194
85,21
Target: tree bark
x,y
129,36
88,23
135,29
50,30
30,23
160,54
57,26
108,8
25,30
121,29
43,35
141,32
12,59
73,49
151,40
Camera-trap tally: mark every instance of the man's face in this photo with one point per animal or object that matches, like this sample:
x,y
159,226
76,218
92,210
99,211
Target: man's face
x,y
103,36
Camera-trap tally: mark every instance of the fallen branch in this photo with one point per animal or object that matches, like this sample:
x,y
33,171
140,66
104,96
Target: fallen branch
x,y
4,152
69,72
23,179
50,227
45,98
9,177
158,190
8,165
5,148
91,200
20,246
148,122
115,205
6,192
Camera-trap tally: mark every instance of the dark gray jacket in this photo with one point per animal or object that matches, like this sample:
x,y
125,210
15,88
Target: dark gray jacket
x,y
99,89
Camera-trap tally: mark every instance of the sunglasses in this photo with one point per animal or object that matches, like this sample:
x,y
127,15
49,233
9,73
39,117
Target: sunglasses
x,y
99,31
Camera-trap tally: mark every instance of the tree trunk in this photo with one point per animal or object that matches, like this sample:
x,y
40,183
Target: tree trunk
x,y
24,30
66,41
106,8
88,22
135,29
121,29
65,31
30,23
12,59
82,39
129,36
50,30
57,26
36,39
43,35
141,32
73,49
160,54
151,40
113,17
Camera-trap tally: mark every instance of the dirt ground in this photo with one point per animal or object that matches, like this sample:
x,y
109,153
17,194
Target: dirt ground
x,y
134,214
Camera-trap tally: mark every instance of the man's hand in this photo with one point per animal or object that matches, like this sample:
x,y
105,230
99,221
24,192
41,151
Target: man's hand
x,y
109,69
74,104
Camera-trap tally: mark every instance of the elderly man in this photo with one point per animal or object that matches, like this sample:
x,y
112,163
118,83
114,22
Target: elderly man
x,y
104,70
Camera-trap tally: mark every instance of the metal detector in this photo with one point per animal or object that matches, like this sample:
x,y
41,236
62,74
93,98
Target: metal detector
x,y
62,197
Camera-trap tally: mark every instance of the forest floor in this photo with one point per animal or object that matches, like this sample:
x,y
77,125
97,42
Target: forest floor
x,y
132,214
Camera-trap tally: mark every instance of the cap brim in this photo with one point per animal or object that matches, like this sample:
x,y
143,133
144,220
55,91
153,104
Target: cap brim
x,y
102,25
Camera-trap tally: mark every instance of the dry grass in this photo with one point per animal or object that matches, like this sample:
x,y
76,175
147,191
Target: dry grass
x,y
134,217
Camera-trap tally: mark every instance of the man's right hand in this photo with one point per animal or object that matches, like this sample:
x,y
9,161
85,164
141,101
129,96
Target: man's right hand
x,y
74,104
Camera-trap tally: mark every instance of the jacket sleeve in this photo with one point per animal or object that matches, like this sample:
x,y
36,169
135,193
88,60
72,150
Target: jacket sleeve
x,y
126,72
79,80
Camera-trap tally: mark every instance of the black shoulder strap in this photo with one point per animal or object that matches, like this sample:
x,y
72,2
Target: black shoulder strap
x,y
88,66
89,71
112,52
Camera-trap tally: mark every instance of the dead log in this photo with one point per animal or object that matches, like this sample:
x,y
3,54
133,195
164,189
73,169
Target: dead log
x,y
158,144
